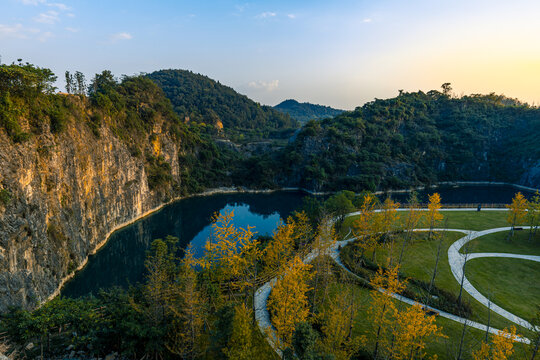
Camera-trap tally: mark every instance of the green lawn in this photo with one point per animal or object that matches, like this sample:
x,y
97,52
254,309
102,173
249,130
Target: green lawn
x,y
498,242
418,262
470,220
512,284
446,347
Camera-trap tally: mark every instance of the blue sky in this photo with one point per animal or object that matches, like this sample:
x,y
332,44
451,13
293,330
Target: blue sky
x,y
338,53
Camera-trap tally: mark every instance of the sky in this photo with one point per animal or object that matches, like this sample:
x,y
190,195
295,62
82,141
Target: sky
x,y
333,52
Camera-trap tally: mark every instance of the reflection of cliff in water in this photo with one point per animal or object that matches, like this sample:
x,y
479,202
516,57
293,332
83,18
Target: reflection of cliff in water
x,y
121,261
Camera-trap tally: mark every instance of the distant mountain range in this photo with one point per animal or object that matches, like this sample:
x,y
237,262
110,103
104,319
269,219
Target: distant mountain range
x,y
303,112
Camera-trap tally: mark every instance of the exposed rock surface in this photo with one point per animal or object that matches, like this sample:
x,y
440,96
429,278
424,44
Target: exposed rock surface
x,y
67,192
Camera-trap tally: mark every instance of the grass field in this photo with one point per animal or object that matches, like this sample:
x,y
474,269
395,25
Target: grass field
x,y
498,242
513,284
446,347
419,259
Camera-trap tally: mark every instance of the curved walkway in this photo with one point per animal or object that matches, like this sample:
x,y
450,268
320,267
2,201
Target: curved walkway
x,y
457,262
334,254
455,259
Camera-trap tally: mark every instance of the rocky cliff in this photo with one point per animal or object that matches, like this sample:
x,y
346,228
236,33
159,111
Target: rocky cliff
x,y
63,193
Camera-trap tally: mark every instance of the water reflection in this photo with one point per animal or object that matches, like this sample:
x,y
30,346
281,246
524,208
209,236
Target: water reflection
x,y
121,261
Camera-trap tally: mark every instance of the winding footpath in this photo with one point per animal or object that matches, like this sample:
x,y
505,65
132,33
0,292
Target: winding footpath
x,y
456,260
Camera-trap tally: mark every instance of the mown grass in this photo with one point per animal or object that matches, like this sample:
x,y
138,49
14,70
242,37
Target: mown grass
x,y
470,220
499,242
512,284
445,347
419,261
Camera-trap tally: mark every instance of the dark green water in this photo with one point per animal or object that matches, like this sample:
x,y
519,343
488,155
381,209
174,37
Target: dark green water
x,y
121,261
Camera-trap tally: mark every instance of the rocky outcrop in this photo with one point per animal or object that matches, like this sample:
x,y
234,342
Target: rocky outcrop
x,y
62,195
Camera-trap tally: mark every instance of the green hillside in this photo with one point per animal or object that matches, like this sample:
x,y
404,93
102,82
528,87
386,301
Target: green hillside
x,y
197,98
303,112
415,138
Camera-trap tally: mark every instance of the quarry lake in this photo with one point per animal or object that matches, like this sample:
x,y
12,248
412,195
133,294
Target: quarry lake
x,y
121,261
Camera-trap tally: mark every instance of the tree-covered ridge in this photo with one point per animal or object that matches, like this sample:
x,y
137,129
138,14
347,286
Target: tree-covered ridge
x,y
303,112
197,98
417,138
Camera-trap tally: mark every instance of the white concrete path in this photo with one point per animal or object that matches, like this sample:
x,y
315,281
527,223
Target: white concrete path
x,y
457,262
335,255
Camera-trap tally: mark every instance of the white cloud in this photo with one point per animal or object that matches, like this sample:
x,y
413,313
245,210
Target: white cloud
x,y
266,15
45,36
32,2
366,20
291,16
121,36
72,30
264,85
59,6
71,15
16,31
49,17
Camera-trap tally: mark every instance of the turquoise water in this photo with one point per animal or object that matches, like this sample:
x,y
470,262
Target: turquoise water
x,y
121,261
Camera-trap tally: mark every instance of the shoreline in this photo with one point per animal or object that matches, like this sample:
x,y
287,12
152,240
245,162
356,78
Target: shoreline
x,y
240,190
102,243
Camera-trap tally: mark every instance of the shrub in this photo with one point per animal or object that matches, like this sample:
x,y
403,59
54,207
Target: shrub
x,y
5,196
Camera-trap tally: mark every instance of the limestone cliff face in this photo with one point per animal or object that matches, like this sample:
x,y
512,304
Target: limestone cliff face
x,y
68,191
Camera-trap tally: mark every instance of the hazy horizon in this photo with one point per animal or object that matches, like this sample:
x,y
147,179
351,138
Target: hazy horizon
x,y
340,54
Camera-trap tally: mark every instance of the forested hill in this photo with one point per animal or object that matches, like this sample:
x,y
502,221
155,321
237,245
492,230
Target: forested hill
x,y
304,112
197,98
415,138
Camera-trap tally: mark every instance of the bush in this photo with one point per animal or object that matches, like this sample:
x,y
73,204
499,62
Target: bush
x,y
5,196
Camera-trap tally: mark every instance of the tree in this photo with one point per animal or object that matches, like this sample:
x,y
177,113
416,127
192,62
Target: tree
x,y
231,253
240,343
446,88
414,214
279,250
325,238
70,86
303,231
385,222
440,236
382,311
411,332
501,347
434,214
188,311
80,83
533,214
339,205
364,227
336,325
304,341
517,211
288,302
26,80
